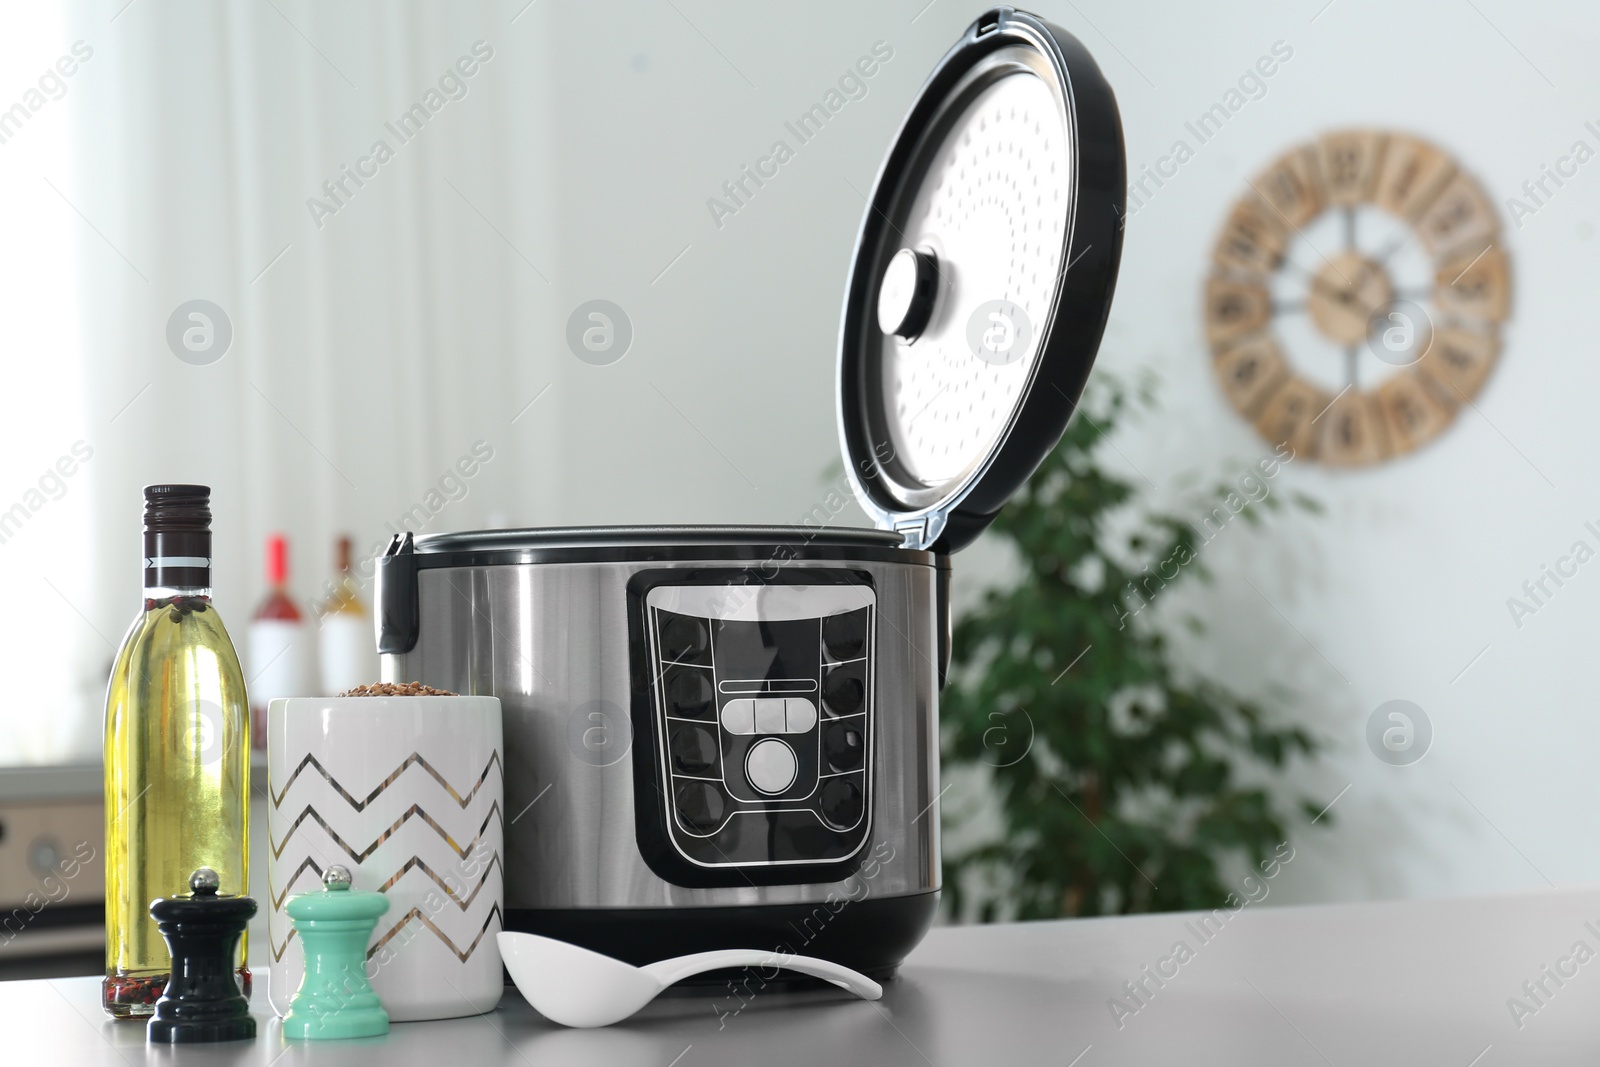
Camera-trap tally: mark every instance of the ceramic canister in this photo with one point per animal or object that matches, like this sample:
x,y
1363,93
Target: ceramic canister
x,y
407,792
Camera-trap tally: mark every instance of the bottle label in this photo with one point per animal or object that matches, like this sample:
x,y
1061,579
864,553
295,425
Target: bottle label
x,y
279,662
348,652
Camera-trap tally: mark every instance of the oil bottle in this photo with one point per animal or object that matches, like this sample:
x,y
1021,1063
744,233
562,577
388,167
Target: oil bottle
x,y
177,755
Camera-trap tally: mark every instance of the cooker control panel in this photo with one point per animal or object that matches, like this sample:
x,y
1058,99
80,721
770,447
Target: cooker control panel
x,y
762,708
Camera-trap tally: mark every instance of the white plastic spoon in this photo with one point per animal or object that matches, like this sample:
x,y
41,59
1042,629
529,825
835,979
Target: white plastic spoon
x,y
576,987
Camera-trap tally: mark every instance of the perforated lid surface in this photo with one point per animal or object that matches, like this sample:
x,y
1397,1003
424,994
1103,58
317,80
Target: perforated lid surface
x,y
995,205
983,274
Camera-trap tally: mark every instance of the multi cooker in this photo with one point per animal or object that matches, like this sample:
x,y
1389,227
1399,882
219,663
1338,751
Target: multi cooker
x,y
728,736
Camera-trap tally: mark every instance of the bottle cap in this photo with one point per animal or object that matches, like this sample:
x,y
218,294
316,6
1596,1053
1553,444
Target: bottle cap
x,y
177,535
277,559
181,504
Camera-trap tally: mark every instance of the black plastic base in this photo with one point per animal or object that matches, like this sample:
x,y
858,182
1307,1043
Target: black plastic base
x,y
871,935
174,1032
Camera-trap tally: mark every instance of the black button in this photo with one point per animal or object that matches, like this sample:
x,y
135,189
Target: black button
x,y
684,637
700,804
845,635
694,749
841,803
842,690
842,747
689,692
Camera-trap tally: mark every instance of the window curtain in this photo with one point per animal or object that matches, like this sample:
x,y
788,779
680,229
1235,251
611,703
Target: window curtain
x,y
353,200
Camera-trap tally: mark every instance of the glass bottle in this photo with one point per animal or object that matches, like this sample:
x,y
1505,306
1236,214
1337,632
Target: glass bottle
x,y
279,647
347,650
177,756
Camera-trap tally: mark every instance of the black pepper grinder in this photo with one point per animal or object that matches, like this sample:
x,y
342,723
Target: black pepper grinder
x,y
202,930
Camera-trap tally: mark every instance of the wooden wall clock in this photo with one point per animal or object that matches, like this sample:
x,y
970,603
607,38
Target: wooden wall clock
x,y
1309,259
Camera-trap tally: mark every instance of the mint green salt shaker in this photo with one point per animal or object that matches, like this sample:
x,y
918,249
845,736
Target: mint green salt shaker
x,y
335,999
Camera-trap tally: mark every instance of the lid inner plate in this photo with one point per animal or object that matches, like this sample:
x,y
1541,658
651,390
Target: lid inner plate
x,y
991,208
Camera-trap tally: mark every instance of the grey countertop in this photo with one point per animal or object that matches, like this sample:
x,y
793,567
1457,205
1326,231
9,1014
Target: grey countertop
x,y
1415,982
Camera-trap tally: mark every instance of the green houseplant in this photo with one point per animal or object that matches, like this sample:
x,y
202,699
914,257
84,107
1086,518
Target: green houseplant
x,y
1121,781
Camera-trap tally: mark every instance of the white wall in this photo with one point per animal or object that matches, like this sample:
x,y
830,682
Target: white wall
x,y
1405,580
593,143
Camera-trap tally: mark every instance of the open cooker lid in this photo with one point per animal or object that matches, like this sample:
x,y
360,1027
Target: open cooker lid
x,y
982,279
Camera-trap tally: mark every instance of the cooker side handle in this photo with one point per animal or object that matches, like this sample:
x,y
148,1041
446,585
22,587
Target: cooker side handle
x,y
396,617
941,612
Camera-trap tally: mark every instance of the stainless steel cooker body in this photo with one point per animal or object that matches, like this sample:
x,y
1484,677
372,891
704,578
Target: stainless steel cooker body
x,y
608,841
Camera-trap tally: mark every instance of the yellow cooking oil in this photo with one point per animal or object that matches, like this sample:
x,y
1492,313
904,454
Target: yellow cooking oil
x,y
177,784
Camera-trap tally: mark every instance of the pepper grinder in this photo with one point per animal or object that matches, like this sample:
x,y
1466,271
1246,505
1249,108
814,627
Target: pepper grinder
x,y
202,1001
335,999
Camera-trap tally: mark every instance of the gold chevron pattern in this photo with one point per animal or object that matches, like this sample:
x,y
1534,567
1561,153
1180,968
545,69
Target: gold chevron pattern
x,y
414,811
415,758
277,901
464,895
414,863
420,916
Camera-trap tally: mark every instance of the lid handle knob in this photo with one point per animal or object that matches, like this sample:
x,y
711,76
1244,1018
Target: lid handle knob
x,y
906,297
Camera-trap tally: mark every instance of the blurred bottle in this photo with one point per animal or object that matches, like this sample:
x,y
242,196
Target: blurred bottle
x,y
177,761
346,645
280,653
